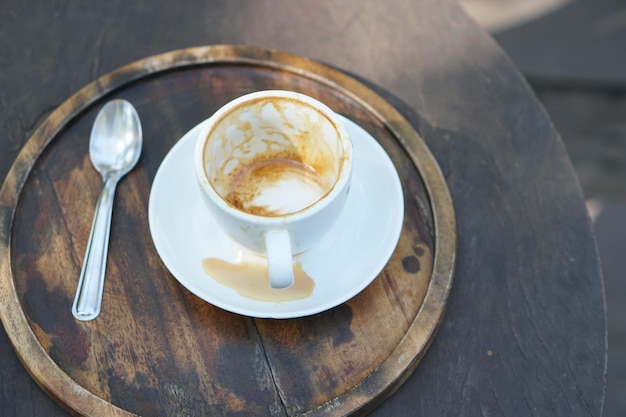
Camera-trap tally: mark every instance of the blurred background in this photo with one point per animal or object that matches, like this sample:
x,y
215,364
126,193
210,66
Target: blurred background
x,y
573,54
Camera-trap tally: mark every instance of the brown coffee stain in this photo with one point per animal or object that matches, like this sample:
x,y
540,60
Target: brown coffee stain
x,y
250,279
295,152
251,180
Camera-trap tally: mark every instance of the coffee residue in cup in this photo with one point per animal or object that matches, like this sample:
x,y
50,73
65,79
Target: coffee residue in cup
x,y
273,157
250,279
275,186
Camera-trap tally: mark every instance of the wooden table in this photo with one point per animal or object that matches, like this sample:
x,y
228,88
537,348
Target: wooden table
x,y
525,329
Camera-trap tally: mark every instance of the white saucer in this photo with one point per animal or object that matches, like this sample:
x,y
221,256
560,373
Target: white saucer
x,y
345,262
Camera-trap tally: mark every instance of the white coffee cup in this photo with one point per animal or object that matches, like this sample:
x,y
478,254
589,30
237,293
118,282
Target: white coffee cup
x,y
275,169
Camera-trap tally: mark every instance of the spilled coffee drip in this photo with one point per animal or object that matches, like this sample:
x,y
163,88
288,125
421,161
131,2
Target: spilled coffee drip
x,y
249,278
273,158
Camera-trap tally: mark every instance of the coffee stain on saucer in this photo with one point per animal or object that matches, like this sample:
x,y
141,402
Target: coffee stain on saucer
x,y
250,279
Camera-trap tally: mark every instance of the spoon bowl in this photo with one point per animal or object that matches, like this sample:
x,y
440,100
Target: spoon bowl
x,y
114,149
116,138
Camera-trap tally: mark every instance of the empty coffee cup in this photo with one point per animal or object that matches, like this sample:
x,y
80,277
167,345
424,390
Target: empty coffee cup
x,y
275,168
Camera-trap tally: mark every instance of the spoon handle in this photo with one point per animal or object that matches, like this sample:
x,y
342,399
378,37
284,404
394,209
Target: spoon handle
x,y
88,298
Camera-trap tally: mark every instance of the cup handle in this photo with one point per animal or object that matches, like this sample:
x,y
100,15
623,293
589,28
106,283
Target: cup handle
x,y
279,258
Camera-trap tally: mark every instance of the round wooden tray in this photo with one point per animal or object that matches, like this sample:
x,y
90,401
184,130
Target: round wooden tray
x,y
156,349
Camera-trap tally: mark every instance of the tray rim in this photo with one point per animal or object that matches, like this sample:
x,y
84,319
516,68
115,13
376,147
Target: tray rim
x,y
420,334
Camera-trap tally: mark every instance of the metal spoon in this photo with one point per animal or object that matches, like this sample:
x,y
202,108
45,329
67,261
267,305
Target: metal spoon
x,y
114,149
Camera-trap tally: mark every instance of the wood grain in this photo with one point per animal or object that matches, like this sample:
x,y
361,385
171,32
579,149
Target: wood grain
x,y
157,349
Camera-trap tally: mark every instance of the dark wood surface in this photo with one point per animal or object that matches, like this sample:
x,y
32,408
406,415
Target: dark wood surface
x,y
525,330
